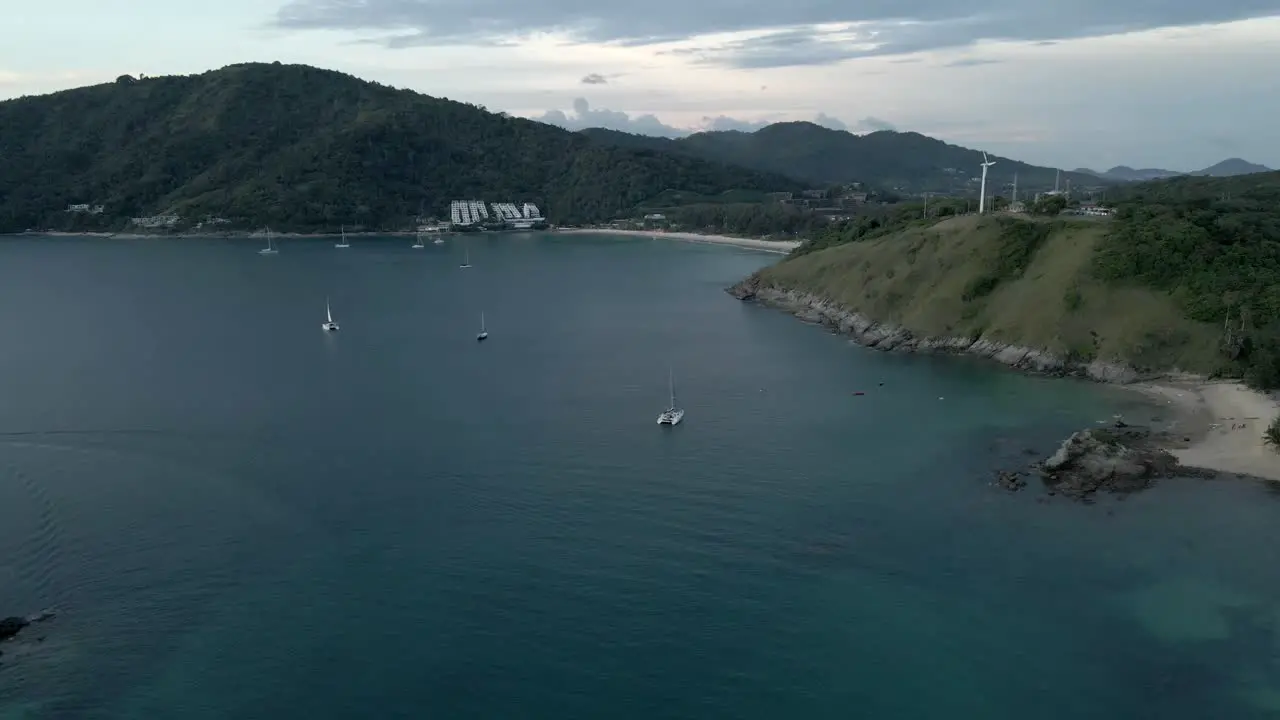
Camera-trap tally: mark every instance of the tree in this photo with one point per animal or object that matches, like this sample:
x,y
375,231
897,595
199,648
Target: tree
x,y
1048,205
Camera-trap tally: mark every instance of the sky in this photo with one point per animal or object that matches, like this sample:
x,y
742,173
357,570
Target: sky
x,y
1176,84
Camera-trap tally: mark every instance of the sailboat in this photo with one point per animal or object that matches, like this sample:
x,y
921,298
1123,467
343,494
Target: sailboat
x,y
417,240
269,249
672,415
483,333
343,243
466,255
329,325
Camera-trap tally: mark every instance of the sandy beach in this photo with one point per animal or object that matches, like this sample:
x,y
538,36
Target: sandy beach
x,y
1225,421
781,247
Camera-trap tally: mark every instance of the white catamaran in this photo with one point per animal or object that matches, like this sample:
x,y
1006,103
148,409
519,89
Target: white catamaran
x,y
483,333
672,415
343,242
329,325
417,241
269,249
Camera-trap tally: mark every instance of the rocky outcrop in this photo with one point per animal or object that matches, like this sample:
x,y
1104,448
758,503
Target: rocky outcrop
x,y
11,626
1120,459
1010,480
890,337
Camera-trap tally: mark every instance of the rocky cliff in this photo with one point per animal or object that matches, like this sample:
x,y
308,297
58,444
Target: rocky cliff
x,y
891,337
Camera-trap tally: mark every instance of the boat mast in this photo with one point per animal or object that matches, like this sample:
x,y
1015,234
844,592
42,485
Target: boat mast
x,y
671,381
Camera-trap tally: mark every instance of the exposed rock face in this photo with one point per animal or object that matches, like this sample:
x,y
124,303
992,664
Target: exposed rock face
x,y
1121,459
885,336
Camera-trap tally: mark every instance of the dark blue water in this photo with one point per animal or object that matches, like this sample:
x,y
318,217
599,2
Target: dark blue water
x,y
240,516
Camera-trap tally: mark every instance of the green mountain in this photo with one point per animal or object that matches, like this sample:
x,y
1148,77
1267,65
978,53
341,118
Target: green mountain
x,y
1185,275
302,148
905,161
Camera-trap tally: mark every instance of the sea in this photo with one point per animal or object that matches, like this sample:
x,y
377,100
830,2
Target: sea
x,y
238,515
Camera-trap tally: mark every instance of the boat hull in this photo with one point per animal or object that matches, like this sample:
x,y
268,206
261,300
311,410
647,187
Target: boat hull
x,y
329,327
671,417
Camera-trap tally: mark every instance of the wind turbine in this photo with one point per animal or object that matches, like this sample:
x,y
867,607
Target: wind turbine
x,y
982,192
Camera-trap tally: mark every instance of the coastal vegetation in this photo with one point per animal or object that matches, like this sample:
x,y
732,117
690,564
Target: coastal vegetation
x,y
302,148
880,220
1186,276
747,219
1213,246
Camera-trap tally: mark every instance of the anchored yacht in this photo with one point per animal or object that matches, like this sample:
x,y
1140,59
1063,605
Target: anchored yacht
x,y
672,415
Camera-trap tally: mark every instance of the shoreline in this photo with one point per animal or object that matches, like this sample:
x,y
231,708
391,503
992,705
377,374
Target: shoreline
x,y
1224,420
1219,423
779,247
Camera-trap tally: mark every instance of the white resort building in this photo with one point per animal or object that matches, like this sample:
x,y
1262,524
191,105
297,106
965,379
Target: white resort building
x,y
463,213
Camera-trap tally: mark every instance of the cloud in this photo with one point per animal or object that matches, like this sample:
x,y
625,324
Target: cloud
x,y
772,34
594,79
873,124
827,121
585,116
724,122
972,62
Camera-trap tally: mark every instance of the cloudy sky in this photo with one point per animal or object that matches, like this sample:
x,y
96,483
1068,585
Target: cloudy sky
x,y
1165,83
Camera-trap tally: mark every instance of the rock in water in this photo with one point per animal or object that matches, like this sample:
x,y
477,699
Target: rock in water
x,y
11,626
1010,480
1117,460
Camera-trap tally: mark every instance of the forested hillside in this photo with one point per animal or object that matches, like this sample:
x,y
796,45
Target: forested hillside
x,y
1185,276
303,148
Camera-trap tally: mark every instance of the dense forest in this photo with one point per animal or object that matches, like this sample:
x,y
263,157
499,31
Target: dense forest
x,y
1214,244
882,160
303,148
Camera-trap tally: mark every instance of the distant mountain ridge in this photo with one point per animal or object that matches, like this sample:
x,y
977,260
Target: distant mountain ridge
x,y
905,161
1227,168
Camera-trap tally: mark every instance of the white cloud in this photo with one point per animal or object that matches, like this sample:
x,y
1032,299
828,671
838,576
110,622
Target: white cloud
x,y
768,34
1170,98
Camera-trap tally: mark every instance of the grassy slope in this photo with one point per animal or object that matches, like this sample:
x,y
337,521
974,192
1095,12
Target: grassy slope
x,y
918,278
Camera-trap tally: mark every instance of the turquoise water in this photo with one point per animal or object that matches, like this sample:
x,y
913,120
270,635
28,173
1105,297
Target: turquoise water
x,y
240,516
